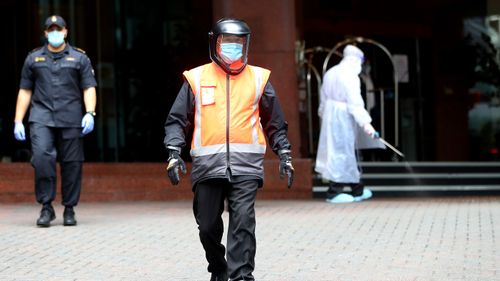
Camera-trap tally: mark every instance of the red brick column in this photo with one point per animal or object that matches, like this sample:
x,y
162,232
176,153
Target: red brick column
x,y
272,45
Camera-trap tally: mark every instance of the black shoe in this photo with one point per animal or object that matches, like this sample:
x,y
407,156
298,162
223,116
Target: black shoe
x,y
46,216
69,217
219,276
334,189
241,278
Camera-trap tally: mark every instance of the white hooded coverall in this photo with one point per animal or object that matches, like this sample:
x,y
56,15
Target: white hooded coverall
x,y
343,115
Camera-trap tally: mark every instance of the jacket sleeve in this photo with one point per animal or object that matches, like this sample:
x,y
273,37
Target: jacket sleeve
x,y
273,120
180,118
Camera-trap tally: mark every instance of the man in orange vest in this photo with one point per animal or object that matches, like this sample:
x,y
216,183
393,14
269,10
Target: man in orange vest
x,y
230,108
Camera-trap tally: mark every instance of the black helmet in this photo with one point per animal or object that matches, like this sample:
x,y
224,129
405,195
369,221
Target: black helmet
x,y
229,28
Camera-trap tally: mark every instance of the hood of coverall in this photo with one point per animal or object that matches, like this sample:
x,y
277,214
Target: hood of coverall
x,y
354,57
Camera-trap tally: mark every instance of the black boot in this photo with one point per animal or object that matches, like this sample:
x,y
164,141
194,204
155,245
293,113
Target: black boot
x,y
219,276
47,215
69,217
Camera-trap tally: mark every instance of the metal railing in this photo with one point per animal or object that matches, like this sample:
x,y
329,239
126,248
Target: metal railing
x,y
305,59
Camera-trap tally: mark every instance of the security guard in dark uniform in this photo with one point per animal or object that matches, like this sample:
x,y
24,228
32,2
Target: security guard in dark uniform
x,y
52,81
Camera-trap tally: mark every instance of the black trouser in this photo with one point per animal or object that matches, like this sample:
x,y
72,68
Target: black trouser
x,y
334,188
49,144
208,206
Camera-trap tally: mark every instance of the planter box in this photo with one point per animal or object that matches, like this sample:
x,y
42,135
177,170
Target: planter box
x,y
104,182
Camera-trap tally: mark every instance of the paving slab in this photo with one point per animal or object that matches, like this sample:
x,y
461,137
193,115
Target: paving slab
x,y
425,238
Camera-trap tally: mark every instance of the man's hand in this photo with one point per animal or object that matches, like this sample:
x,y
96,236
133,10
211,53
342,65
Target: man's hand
x,y
286,166
19,132
87,123
174,163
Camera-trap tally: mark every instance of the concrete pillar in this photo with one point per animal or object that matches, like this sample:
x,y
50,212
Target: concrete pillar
x,y
272,46
493,7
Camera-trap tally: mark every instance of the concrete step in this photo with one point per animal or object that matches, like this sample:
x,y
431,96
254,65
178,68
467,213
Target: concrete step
x,y
424,177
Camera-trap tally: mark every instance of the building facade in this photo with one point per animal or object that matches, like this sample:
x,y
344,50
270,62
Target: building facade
x,y
445,105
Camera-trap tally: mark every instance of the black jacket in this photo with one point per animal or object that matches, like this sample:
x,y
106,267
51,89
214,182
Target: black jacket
x,y
181,119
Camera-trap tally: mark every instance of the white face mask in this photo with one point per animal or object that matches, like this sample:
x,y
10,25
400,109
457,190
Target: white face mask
x,y
353,64
55,38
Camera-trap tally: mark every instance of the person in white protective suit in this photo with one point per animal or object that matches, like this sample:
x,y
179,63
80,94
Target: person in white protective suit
x,y
346,126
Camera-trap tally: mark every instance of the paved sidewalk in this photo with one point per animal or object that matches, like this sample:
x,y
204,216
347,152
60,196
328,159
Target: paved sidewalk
x,y
381,239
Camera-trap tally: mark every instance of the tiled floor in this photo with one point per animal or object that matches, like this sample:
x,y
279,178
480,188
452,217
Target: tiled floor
x,y
444,238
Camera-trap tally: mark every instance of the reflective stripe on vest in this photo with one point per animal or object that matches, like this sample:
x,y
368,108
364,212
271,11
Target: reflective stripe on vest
x,y
237,143
197,116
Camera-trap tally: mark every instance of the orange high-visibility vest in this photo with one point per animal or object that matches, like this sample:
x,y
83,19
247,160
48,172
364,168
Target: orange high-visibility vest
x,y
226,118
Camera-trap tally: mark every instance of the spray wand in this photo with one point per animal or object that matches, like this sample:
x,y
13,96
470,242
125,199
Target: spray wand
x,y
391,147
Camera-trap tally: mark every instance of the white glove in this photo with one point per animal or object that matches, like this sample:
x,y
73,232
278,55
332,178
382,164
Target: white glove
x,y
369,130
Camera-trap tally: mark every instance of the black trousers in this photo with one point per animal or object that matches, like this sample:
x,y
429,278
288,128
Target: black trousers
x,y
208,206
335,188
49,144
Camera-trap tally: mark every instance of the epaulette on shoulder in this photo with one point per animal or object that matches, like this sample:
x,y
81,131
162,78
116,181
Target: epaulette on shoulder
x,y
78,49
36,49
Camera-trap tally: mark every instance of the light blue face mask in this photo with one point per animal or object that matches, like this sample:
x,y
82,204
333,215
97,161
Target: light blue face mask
x,y
231,52
55,38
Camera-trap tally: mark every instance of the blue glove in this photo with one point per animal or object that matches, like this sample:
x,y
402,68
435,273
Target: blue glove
x,y
87,123
286,166
19,132
376,135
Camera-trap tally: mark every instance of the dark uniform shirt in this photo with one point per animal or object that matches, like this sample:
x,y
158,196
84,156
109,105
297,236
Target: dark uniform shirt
x,y
57,82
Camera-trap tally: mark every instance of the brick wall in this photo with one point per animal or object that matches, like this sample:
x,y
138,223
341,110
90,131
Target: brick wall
x,y
143,181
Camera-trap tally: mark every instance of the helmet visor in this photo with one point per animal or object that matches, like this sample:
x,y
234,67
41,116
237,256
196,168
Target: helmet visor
x,y
232,50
